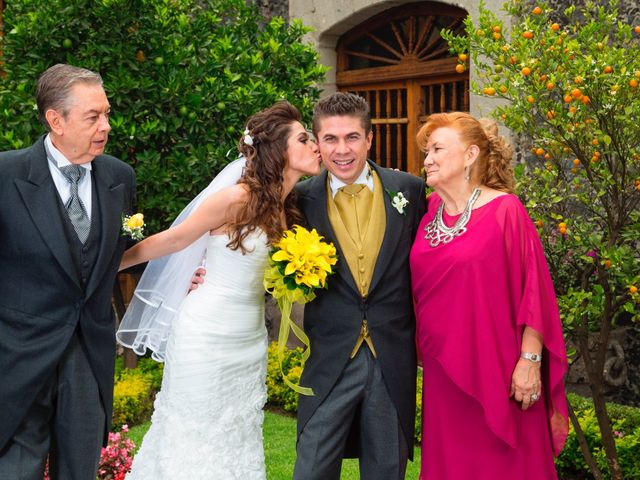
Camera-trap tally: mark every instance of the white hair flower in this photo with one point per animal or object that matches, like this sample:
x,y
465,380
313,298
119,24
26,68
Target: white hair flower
x,y
248,139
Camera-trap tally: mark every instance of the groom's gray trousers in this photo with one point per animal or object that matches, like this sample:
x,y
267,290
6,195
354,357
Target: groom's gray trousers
x,y
360,395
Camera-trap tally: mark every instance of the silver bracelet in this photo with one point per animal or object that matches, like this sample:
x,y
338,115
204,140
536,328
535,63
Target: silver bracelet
x,y
532,357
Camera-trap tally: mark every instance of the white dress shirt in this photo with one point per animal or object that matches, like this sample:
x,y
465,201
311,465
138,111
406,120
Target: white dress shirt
x,y
62,184
366,178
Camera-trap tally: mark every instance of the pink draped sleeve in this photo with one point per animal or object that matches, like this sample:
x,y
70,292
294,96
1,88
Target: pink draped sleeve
x,y
538,309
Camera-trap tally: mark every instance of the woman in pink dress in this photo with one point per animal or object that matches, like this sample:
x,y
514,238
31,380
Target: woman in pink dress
x,y
488,329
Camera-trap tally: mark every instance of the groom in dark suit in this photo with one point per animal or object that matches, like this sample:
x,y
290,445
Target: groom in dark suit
x,y
363,359
61,202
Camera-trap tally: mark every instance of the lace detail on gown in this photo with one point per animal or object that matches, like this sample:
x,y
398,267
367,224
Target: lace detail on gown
x,y
207,420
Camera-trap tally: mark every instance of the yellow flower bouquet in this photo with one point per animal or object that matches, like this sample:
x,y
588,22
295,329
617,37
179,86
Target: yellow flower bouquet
x,y
299,263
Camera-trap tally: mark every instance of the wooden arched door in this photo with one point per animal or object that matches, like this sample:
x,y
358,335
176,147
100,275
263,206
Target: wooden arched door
x,y
398,61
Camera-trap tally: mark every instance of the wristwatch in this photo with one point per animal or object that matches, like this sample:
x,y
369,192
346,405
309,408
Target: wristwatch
x,y
532,357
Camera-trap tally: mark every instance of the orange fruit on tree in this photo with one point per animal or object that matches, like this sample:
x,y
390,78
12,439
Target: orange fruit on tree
x,y
637,29
528,34
539,151
460,68
489,91
497,35
585,99
567,98
562,225
526,71
638,74
608,69
595,142
537,11
633,83
607,263
572,109
578,79
531,99
633,289
462,57
563,231
550,86
576,161
555,27
547,156
503,89
496,29
513,60
551,114
539,223
543,77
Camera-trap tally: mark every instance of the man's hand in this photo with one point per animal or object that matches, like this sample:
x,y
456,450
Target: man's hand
x,y
198,278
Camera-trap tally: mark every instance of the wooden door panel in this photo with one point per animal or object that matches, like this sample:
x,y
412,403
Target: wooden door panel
x,y
400,64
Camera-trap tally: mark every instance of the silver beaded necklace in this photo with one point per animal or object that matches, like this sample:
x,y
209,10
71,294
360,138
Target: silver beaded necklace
x,y
438,232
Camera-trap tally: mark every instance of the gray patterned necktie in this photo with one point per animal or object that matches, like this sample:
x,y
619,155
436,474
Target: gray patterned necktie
x,y
75,208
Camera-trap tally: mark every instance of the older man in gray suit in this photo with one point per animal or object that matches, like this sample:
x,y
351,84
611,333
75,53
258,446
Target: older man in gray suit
x,y
61,202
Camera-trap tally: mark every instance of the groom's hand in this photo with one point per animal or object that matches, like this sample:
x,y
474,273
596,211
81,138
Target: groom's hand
x,y
198,278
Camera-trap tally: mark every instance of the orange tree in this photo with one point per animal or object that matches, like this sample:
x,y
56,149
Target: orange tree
x,y
570,81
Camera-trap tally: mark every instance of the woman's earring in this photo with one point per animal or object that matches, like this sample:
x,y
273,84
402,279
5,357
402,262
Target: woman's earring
x,y
467,175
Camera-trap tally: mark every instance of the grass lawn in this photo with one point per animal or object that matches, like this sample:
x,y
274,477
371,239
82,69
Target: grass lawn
x,y
279,449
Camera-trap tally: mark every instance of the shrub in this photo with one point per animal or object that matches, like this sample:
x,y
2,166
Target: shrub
x,y
626,428
115,459
153,370
132,398
182,77
277,391
418,427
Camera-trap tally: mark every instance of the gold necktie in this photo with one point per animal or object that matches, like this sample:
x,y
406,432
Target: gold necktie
x,y
354,205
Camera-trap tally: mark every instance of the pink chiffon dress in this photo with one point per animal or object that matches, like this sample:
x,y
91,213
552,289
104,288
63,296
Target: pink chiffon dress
x,y
473,298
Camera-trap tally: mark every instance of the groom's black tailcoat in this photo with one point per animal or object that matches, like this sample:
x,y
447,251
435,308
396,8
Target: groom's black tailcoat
x,y
333,319
43,301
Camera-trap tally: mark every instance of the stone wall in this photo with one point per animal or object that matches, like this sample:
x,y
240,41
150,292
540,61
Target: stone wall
x,y
273,8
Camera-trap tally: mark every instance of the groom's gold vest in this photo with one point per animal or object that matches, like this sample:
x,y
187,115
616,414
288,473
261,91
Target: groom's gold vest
x,y
360,245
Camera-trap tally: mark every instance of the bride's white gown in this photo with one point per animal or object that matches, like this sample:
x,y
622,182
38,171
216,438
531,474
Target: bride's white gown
x,y
207,422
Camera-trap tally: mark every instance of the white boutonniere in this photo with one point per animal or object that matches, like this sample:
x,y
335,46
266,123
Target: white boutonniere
x,y
133,226
398,201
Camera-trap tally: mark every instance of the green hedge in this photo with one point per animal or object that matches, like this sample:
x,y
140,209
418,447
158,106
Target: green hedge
x,y
626,427
134,392
182,77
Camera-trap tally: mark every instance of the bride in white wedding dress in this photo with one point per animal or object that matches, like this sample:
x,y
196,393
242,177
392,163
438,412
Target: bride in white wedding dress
x,y
207,421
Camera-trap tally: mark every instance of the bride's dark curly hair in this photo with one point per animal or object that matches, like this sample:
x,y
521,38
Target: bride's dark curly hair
x,y
265,148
